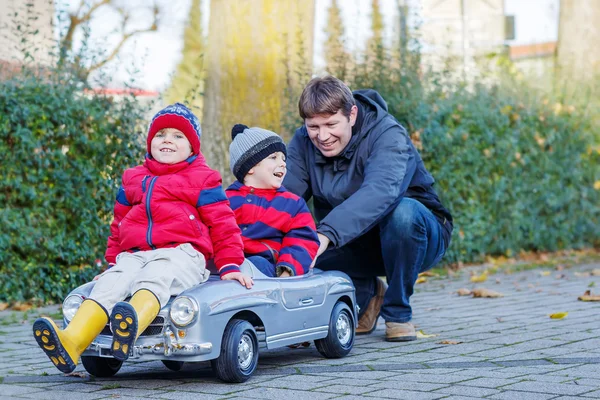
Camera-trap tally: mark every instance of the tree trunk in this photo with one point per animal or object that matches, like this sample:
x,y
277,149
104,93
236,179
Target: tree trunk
x,y
252,47
578,54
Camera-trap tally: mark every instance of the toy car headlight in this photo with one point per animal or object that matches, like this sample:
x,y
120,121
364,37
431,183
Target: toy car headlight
x,y
71,305
183,311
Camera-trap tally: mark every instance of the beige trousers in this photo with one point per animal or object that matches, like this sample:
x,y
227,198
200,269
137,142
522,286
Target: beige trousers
x,y
165,272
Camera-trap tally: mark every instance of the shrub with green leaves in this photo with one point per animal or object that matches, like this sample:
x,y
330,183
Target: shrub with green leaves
x,y
63,153
517,176
518,171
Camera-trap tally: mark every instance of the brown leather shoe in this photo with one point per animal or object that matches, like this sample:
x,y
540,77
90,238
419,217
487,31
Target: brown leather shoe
x,y
368,322
400,332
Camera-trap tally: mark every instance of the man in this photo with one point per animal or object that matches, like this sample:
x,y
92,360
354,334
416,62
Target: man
x,y
374,200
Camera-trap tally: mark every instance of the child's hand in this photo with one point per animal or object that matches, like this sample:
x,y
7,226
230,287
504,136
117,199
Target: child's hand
x,y
242,278
284,274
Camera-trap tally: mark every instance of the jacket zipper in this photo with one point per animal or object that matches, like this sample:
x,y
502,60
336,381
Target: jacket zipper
x,y
144,183
149,213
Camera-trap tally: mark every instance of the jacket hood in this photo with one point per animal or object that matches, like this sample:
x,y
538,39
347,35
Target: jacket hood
x,y
372,109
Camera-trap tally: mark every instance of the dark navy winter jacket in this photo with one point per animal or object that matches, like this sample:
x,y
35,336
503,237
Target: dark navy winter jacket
x,y
353,191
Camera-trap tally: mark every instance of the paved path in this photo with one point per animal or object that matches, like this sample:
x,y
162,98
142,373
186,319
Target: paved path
x,y
510,349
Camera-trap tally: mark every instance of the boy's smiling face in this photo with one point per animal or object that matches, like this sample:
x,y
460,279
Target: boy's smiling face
x,y
267,174
170,146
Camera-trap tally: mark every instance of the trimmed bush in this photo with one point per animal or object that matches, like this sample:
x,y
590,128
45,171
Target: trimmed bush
x,y
519,173
63,153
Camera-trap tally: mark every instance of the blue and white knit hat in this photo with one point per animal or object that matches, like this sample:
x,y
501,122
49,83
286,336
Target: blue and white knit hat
x,y
250,146
179,117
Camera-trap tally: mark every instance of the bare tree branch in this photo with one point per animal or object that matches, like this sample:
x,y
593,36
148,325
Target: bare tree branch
x,y
124,39
75,20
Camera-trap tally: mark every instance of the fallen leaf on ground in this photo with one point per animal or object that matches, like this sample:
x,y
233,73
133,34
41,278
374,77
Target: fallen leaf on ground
x,y
449,342
77,374
423,335
482,292
582,274
545,273
498,281
559,267
481,278
421,279
588,296
559,315
428,273
463,292
22,306
499,319
432,308
560,276
596,272
3,306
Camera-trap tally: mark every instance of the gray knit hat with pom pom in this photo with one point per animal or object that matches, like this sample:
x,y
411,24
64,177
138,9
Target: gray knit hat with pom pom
x,y
250,146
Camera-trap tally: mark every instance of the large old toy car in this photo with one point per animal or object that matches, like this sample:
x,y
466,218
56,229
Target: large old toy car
x,y
226,323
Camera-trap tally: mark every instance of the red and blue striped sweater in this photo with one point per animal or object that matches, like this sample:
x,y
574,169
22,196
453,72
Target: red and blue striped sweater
x,y
277,225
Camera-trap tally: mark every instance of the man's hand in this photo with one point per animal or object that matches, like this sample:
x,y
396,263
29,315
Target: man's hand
x,y
324,242
242,278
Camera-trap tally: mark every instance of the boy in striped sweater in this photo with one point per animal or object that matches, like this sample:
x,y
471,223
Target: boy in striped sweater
x,y
278,230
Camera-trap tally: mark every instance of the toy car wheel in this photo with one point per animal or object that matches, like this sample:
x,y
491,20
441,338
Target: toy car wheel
x,y
101,367
239,352
340,338
173,365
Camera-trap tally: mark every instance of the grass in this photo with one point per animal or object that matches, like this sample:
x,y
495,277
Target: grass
x,y
111,386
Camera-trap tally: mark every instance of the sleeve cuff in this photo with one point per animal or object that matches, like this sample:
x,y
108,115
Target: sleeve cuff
x,y
280,268
327,231
228,269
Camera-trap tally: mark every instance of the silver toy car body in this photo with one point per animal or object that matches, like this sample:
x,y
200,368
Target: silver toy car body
x,y
224,322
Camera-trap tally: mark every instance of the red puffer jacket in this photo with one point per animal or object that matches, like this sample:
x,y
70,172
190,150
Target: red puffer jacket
x,y
162,205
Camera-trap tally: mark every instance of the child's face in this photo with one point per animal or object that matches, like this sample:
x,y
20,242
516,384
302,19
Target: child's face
x,y
170,146
267,174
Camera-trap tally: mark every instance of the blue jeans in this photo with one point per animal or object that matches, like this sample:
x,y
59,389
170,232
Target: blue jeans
x,y
263,265
406,242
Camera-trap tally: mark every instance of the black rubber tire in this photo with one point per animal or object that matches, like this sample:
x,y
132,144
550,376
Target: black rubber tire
x,y
173,365
227,366
331,346
100,366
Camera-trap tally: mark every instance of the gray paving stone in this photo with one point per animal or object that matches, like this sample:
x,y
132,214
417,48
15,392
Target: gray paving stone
x,y
61,395
190,396
595,394
404,394
215,388
17,390
462,390
551,388
345,389
438,378
408,385
514,395
493,383
278,394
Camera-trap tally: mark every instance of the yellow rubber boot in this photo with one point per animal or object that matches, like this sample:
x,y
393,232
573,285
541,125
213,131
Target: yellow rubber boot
x,y
64,347
128,321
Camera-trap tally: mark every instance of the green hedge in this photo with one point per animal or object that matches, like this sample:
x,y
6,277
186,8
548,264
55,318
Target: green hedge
x,y
516,170
517,173
516,177
63,152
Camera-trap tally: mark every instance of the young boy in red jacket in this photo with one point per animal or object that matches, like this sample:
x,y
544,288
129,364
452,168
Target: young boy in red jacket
x,y
278,231
171,215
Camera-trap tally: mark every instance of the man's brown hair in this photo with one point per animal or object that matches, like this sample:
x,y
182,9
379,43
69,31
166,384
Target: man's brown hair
x,y
325,96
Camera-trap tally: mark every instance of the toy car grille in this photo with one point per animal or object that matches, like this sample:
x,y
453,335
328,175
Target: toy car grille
x,y
155,328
